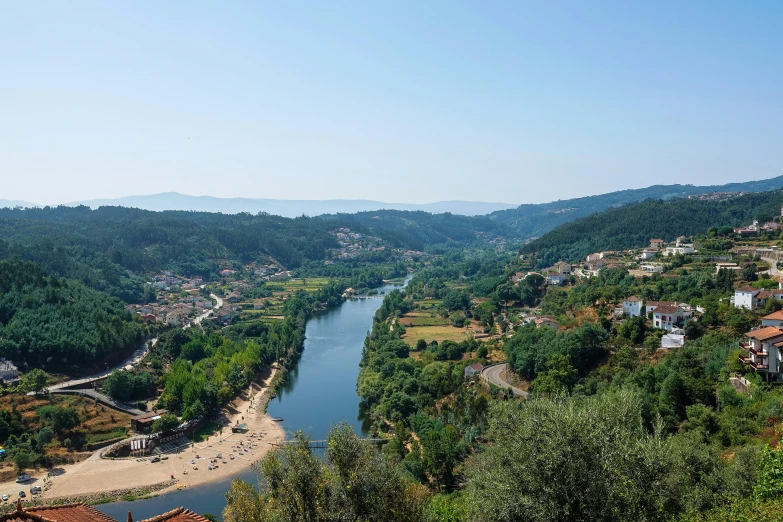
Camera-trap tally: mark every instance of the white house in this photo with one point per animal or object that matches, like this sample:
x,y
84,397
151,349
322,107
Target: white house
x,y
751,298
473,369
669,317
632,306
774,319
562,267
745,298
556,279
679,249
648,253
673,339
653,268
762,351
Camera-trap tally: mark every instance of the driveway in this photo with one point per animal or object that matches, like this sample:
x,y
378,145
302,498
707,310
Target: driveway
x,y
492,373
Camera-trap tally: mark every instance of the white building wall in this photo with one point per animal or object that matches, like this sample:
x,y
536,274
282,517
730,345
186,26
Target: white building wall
x,y
632,308
743,300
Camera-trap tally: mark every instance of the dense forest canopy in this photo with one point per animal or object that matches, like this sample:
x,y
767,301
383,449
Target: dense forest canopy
x,y
59,324
532,220
418,230
111,247
634,225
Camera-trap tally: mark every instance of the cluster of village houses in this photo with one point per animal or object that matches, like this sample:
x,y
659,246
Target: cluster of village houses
x,y
352,244
666,315
763,347
179,300
594,263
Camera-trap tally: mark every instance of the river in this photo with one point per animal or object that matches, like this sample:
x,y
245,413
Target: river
x,y
319,392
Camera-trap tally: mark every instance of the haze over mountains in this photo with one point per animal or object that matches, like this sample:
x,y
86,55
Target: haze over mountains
x,y
535,220
288,207
527,220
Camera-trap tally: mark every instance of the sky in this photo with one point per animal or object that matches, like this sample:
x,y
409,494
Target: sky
x,y
399,101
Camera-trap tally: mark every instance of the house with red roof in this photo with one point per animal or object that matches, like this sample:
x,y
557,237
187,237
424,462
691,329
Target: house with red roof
x,y
762,351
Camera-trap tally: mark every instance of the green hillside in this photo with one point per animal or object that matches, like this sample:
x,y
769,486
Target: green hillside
x,y
536,220
634,225
60,324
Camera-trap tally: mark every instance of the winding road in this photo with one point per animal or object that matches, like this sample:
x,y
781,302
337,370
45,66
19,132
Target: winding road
x,y
128,364
492,373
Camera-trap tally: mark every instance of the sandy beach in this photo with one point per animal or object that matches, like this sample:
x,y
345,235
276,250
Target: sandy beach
x,y
96,475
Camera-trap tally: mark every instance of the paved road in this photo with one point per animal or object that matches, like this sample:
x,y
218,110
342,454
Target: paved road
x,y
492,374
773,267
104,399
131,361
127,364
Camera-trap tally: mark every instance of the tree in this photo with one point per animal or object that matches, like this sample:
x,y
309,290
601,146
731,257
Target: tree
x,y
118,385
441,454
167,422
575,459
64,420
35,380
23,459
44,437
560,376
356,483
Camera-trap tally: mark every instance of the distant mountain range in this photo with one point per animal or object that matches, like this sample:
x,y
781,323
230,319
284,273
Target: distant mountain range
x,y
527,220
12,203
287,207
535,220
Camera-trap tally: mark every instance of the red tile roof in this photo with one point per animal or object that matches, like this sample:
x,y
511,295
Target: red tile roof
x,y
177,515
633,298
763,334
71,513
774,316
667,309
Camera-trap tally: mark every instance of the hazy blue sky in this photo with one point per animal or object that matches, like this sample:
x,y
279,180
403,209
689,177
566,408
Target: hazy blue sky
x,y
398,101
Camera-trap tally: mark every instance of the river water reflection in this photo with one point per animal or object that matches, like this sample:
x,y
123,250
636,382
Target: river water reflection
x,y
320,392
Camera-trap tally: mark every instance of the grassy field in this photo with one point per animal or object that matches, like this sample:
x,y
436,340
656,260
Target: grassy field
x,y
206,431
282,290
419,319
310,284
434,333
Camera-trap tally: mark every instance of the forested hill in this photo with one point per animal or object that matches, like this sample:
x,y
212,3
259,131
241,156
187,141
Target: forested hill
x,y
60,324
109,247
417,229
103,247
634,225
535,220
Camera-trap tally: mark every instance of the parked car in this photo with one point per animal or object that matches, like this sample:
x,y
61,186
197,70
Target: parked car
x,y
155,459
21,494
35,490
5,498
24,477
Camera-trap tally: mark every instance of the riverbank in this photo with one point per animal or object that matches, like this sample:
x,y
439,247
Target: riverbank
x,y
92,478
